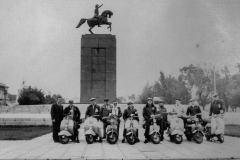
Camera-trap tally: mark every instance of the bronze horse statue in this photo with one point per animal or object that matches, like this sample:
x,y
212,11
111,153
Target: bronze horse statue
x,y
92,22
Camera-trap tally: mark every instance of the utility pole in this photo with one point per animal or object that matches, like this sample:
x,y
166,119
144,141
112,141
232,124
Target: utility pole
x,y
214,80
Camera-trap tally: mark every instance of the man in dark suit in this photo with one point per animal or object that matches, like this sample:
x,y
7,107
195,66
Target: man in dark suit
x,y
57,117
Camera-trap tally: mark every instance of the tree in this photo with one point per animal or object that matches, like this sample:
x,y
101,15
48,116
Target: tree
x,y
147,92
169,88
31,96
199,77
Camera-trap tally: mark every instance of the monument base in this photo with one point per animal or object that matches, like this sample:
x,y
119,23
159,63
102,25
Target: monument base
x,y
98,67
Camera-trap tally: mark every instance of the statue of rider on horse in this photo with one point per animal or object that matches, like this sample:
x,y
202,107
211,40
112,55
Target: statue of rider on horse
x,y
97,20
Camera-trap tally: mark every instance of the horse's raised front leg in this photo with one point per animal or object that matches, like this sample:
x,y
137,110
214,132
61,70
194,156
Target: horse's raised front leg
x,y
90,30
110,26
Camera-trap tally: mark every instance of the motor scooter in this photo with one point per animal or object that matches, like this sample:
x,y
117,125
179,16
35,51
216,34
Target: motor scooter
x,y
131,126
90,134
194,129
154,129
215,128
176,127
111,130
67,130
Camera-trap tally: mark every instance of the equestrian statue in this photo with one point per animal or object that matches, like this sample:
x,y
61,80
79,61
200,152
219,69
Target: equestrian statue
x,y
97,20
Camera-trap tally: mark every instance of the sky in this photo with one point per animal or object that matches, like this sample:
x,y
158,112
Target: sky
x,y
40,44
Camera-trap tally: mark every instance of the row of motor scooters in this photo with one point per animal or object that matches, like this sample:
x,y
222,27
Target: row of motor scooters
x,y
193,128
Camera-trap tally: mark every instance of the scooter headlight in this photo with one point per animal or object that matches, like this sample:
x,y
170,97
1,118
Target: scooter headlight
x,y
189,120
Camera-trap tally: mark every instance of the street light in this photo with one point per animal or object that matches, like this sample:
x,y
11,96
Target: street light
x,y
214,79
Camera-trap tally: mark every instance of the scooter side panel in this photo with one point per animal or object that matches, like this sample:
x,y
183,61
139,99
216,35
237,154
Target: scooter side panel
x,y
70,125
129,133
213,125
154,129
90,132
63,132
133,129
196,131
177,132
220,126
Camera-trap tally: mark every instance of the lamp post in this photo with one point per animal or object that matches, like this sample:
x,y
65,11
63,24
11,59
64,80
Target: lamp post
x,y
214,80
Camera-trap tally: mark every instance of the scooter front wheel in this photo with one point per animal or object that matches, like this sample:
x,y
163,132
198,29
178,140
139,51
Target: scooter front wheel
x,y
220,138
89,138
198,137
112,138
177,139
64,139
131,139
155,138
208,137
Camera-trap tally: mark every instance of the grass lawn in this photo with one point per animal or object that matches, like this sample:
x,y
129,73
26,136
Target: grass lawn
x,y
232,130
23,132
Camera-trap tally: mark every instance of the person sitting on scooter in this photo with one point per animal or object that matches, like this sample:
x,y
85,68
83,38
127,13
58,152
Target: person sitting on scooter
x,y
74,113
178,108
161,109
94,110
130,111
148,112
216,107
117,112
194,109
104,112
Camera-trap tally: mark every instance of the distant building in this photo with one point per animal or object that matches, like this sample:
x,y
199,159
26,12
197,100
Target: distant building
x,y
126,99
12,98
3,93
5,96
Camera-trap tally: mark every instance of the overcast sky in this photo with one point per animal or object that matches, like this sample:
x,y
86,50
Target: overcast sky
x,y
40,44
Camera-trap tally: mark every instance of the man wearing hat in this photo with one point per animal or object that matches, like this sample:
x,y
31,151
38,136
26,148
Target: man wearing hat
x,y
126,114
148,112
94,109
57,117
116,110
105,110
217,106
161,121
74,113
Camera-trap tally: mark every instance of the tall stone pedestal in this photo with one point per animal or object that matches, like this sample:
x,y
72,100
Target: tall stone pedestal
x,y
98,67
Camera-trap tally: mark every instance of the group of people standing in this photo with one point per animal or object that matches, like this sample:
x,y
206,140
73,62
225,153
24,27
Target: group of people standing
x,y
149,110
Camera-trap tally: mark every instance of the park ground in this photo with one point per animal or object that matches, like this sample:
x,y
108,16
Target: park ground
x,y
43,147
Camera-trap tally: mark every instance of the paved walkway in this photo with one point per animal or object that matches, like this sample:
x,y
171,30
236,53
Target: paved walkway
x,y
43,148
